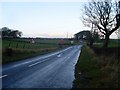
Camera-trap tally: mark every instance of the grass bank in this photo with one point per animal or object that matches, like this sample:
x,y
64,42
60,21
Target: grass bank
x,y
18,49
96,70
14,54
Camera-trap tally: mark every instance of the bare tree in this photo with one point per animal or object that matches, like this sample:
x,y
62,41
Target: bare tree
x,y
104,14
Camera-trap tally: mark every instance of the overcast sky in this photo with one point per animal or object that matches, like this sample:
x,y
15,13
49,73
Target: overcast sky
x,y
43,19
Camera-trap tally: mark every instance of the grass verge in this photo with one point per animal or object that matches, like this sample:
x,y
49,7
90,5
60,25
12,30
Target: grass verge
x,y
96,71
18,49
14,54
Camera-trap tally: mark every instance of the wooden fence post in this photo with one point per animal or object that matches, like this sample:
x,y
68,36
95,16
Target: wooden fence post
x,y
9,44
23,46
17,45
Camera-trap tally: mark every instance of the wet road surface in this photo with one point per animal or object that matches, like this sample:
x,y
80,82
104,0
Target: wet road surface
x,y
54,70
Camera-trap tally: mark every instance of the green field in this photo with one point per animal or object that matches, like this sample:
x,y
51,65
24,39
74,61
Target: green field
x,y
18,49
25,43
112,43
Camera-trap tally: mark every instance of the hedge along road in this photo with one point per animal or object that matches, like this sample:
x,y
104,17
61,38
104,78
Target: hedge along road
x,y
54,70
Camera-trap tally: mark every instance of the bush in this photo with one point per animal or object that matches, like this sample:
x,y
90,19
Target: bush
x,y
9,51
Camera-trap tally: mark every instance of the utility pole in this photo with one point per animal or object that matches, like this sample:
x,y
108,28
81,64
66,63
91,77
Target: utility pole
x,y
67,35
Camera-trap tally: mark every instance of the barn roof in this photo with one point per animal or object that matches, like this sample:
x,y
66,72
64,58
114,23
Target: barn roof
x,y
85,31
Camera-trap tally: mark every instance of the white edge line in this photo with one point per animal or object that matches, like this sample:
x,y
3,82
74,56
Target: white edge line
x,y
34,64
68,57
3,76
49,56
43,57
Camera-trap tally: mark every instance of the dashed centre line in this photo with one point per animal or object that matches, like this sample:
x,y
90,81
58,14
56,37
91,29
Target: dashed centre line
x,y
37,63
34,64
3,76
59,55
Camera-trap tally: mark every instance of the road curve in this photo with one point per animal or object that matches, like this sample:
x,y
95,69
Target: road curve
x,y
54,70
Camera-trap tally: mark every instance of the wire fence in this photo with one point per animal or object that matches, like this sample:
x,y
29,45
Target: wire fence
x,y
27,45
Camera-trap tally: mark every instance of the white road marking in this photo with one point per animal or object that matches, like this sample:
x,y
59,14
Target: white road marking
x,y
37,63
3,76
59,55
68,57
34,64
43,57
21,64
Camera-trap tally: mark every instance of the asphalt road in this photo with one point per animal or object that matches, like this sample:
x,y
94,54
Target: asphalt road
x,y
54,70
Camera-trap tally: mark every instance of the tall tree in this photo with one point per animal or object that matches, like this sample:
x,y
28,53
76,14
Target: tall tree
x,y
104,14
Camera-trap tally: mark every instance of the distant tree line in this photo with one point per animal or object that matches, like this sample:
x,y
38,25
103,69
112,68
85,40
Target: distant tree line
x,y
5,32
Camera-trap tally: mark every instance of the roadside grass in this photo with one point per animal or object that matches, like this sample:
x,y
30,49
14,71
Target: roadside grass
x,y
96,71
86,69
19,54
18,49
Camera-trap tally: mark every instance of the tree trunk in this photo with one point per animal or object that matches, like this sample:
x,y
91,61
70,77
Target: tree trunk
x,y
106,41
91,42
